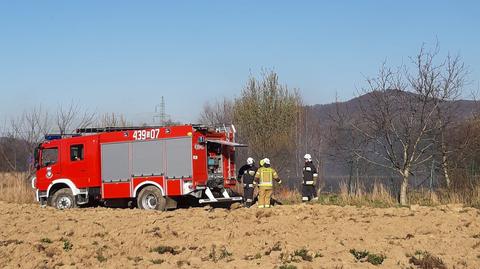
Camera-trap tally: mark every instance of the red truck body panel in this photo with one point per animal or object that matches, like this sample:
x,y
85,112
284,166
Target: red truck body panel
x,y
118,163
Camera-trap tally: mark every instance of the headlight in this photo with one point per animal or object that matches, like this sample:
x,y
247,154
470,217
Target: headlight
x,y
187,187
34,179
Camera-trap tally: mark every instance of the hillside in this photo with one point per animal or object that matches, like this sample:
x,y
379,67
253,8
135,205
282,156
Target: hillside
x,y
464,108
306,236
324,115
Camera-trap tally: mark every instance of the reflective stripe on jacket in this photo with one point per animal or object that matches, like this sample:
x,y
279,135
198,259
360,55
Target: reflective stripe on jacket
x,y
310,174
265,176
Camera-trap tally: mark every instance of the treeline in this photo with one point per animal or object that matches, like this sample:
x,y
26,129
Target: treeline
x,y
407,125
19,136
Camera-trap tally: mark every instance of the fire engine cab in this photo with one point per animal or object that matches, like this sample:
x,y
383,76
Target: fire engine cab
x,y
155,167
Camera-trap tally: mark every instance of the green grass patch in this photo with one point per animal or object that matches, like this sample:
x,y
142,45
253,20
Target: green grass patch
x,y
303,253
46,240
375,259
165,249
67,245
365,256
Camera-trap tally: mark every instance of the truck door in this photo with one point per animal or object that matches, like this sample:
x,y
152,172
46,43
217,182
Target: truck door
x,y
50,167
78,164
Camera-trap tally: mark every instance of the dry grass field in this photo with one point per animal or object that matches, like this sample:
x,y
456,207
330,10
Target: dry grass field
x,y
15,187
289,236
373,233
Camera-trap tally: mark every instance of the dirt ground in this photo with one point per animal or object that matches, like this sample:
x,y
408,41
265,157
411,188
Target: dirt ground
x,y
35,237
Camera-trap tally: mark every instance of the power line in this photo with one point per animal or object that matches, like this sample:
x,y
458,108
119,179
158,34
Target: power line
x,y
160,113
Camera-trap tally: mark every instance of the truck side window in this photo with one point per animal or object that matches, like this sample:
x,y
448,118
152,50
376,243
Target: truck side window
x,y
76,153
49,156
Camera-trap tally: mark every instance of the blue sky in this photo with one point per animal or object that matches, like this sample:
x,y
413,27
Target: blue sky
x,y
122,56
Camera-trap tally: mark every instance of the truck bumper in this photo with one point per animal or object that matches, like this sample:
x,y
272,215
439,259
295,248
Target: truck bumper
x,y
34,187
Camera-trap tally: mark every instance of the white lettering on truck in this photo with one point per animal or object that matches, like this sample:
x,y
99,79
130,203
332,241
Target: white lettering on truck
x,y
146,134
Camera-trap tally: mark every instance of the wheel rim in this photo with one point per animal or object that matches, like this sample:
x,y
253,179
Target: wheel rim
x,y
64,202
150,201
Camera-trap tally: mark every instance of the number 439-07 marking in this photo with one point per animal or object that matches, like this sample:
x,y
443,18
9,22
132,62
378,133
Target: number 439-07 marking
x,y
146,134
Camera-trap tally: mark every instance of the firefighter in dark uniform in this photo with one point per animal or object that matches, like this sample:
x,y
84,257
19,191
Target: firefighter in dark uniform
x,y
310,176
247,175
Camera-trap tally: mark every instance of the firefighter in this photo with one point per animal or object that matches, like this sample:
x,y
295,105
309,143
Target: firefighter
x,y
247,175
310,176
265,176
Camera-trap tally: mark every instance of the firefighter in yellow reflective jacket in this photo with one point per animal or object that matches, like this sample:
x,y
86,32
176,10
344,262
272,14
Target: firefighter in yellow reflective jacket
x,y
265,176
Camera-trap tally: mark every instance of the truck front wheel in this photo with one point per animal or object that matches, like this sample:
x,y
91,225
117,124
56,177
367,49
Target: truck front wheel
x,y
151,198
63,199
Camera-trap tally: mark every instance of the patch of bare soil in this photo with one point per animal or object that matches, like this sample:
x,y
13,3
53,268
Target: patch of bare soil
x,y
299,236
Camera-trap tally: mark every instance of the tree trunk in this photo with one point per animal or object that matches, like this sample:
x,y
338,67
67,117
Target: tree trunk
x,y
445,164
403,187
445,172
350,179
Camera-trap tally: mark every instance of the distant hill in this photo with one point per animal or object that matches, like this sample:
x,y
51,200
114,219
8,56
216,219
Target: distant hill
x,y
465,109
334,169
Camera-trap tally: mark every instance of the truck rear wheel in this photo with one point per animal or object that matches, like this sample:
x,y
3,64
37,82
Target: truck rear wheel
x,y
151,198
63,199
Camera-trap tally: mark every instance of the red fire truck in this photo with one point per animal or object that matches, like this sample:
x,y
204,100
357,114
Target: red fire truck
x,y
154,167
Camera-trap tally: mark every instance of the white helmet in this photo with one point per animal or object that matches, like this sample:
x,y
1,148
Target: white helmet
x,y
250,160
266,161
308,157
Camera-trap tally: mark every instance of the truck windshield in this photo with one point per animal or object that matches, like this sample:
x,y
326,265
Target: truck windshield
x,y
49,156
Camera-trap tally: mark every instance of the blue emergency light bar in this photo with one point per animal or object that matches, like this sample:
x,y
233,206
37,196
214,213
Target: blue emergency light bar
x,y
53,137
50,137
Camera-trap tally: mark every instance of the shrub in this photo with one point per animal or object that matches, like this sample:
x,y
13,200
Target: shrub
x,y
375,259
303,253
359,254
425,260
165,249
365,256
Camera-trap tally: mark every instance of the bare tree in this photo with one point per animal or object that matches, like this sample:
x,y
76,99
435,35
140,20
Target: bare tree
x,y
7,161
310,138
343,142
71,117
30,129
448,113
112,120
463,144
399,121
448,120
219,112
